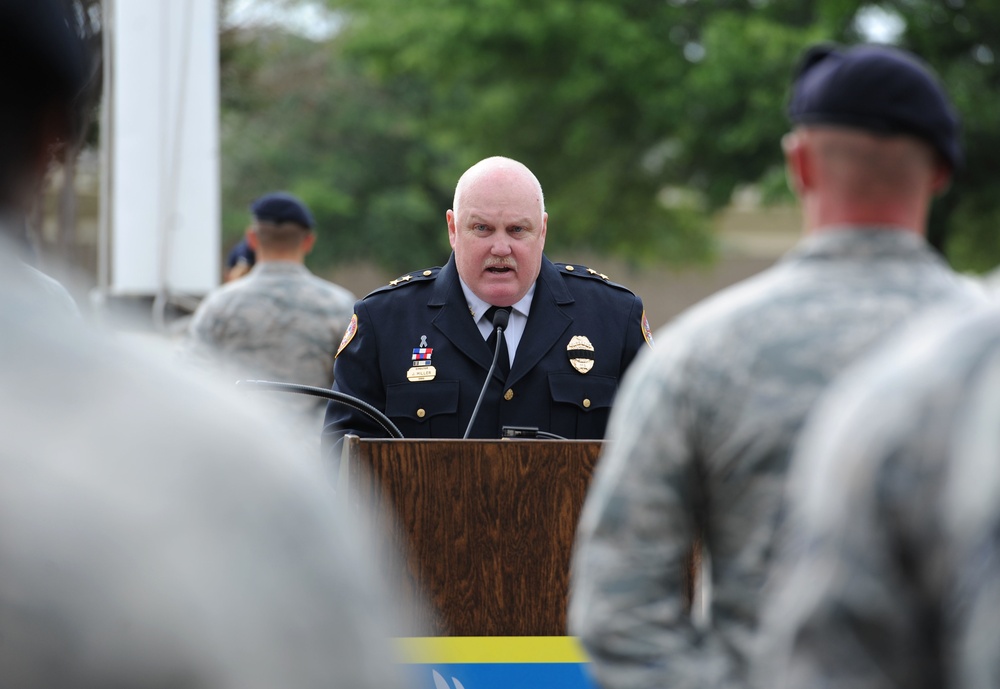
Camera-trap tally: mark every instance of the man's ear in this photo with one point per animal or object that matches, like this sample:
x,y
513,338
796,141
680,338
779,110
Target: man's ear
x,y
941,179
252,240
308,242
452,229
799,163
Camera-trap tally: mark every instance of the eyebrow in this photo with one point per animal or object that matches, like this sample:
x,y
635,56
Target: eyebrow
x,y
474,218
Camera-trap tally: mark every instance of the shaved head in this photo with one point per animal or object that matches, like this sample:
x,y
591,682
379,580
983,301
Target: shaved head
x,y
849,176
498,168
866,165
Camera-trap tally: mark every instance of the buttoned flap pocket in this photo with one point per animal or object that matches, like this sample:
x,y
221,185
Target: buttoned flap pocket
x,y
421,401
587,392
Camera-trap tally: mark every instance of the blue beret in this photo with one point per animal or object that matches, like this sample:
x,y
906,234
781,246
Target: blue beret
x,y
241,253
876,88
279,207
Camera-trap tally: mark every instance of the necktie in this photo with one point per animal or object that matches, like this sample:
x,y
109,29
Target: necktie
x,y
503,360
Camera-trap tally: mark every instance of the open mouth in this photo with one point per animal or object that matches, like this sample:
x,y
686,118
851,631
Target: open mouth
x,y
497,270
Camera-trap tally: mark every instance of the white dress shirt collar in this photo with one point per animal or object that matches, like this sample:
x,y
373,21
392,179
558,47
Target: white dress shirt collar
x,y
518,316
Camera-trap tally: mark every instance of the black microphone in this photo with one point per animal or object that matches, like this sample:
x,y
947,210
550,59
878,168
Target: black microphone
x,y
500,320
501,317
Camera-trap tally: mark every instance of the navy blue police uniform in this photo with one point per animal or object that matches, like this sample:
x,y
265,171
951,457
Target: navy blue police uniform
x,y
582,333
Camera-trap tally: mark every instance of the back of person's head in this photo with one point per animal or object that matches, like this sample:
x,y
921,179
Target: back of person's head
x,y
281,221
876,89
45,68
875,138
863,168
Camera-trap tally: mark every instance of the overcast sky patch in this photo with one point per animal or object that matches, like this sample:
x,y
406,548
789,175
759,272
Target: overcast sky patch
x,y
877,25
308,19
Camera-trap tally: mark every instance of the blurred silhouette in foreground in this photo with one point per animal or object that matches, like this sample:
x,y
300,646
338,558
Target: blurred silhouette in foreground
x,y
44,77
152,534
894,555
703,430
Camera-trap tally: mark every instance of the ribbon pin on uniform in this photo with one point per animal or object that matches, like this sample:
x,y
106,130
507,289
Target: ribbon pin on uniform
x,y
421,369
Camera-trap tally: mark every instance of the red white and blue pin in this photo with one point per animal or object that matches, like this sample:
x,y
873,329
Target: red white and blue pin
x,y
421,368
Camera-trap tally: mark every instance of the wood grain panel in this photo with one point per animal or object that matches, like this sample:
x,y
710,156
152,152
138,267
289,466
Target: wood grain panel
x,y
485,528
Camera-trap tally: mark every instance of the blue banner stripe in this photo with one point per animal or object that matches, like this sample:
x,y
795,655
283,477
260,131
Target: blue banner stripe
x,y
500,676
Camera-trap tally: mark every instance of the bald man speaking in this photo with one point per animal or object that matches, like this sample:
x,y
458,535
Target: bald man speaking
x,y
420,348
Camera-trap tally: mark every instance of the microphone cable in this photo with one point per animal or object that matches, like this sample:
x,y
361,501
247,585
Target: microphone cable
x,y
360,405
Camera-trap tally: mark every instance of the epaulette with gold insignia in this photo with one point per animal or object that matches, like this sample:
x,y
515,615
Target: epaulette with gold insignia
x,y
410,279
585,272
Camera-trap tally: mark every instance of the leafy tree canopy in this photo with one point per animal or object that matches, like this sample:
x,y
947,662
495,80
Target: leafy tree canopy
x,y
639,117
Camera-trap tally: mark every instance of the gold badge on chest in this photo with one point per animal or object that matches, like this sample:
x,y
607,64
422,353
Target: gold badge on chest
x,y
581,353
421,368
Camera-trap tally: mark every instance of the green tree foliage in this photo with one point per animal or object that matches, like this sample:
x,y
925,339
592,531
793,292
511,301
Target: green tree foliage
x,y
611,103
299,117
640,117
962,41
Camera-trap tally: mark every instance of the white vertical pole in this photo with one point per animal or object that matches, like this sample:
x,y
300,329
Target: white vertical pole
x,y
107,141
164,153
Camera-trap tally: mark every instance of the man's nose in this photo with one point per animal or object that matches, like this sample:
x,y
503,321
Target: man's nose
x,y
501,245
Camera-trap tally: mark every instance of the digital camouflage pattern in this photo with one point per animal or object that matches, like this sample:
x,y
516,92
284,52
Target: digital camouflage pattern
x,y
279,323
893,576
699,446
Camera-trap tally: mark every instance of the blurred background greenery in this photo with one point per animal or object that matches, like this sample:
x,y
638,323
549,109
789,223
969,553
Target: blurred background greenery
x,y
641,118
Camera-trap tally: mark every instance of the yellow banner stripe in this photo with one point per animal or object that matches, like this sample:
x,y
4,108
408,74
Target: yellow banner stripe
x,y
490,649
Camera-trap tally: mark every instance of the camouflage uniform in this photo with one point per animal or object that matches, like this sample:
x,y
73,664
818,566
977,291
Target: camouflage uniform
x,y
700,441
280,323
895,504
156,531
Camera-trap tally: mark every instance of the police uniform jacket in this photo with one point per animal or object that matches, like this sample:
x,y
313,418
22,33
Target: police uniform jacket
x,y
427,310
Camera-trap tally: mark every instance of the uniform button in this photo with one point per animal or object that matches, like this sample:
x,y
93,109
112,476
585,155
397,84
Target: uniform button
x,y
427,273
586,404
421,413
570,268
509,395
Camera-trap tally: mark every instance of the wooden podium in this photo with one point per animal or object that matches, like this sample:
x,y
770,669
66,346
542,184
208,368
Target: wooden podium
x,y
484,528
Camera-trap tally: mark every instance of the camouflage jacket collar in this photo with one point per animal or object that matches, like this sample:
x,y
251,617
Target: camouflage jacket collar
x,y
279,268
862,242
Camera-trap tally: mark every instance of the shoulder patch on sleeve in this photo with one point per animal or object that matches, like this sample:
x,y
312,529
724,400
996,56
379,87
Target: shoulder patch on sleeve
x,y
352,329
647,332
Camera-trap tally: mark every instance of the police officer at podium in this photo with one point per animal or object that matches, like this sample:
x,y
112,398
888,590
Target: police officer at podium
x,y
419,349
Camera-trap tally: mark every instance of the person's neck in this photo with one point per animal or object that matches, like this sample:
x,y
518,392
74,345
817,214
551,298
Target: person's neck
x,y
273,257
903,215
